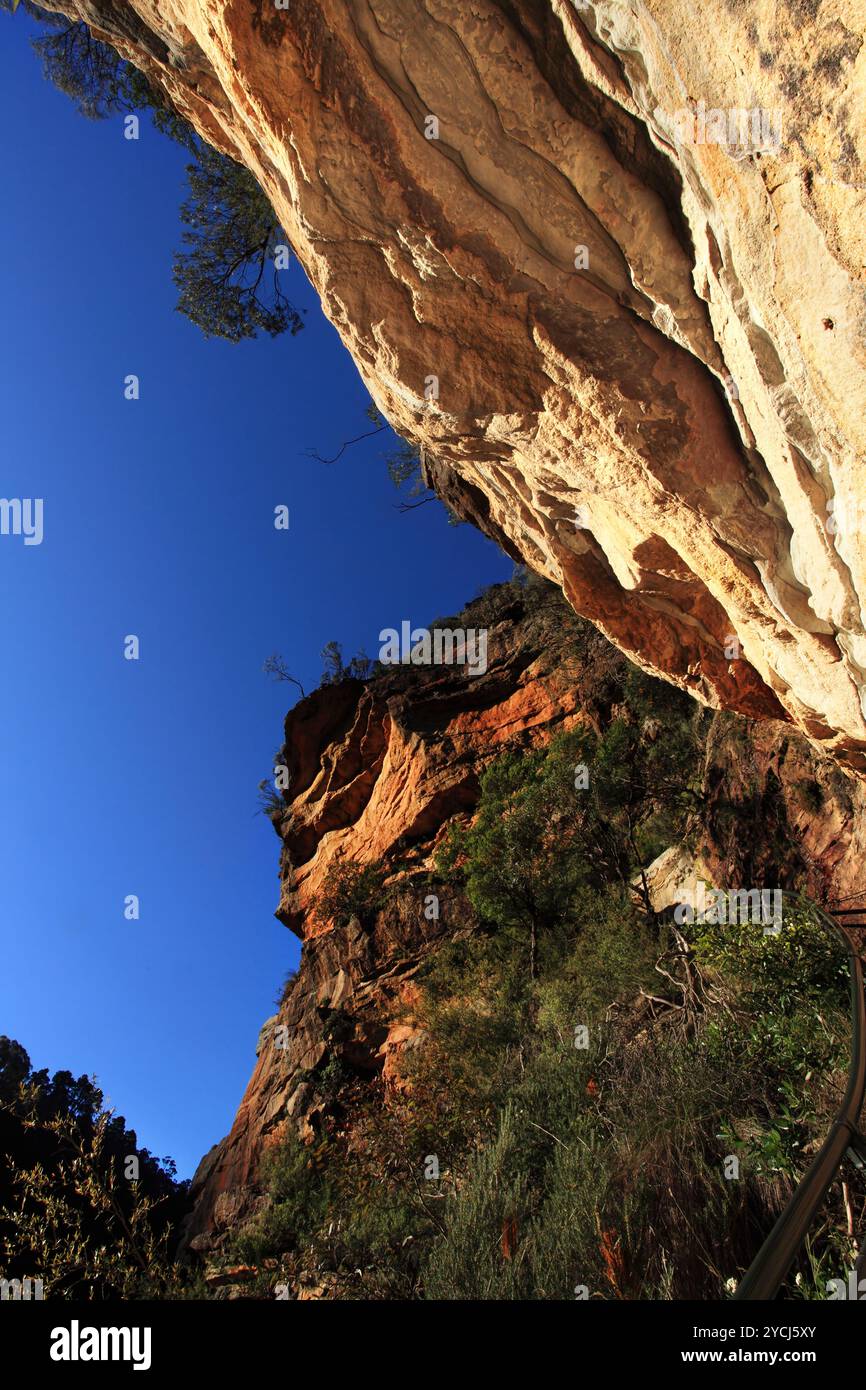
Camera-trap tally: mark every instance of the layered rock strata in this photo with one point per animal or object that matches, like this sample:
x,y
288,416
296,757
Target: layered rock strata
x,y
603,261
378,771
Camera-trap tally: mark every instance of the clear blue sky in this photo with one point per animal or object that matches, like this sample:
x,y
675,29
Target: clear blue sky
x,y
120,777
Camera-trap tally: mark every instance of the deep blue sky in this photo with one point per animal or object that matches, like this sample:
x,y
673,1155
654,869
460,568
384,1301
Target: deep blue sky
x,y
120,777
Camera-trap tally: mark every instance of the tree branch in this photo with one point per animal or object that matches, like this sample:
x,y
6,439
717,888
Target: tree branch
x,y
311,453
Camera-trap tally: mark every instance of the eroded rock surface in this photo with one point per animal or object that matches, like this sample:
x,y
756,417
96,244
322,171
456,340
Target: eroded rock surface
x,y
378,769
668,423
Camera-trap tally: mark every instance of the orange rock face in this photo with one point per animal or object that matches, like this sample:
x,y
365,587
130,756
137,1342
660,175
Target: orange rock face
x,y
399,757
377,770
604,263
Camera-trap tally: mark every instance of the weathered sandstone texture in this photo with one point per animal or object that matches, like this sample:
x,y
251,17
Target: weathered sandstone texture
x,y
669,422
379,768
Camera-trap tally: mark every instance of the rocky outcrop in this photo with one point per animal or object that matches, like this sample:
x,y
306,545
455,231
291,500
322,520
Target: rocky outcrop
x,y
778,813
378,768
603,260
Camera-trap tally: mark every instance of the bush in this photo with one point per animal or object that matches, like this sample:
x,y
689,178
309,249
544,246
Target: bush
x,y
286,987
564,1167
72,1209
603,1167
777,973
299,1196
334,669
349,890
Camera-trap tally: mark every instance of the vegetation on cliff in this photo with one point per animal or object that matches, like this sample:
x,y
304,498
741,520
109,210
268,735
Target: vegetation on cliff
x,y
604,1103
599,1102
227,273
626,1126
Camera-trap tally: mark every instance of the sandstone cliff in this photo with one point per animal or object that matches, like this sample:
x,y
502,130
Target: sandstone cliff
x,y
378,770
604,262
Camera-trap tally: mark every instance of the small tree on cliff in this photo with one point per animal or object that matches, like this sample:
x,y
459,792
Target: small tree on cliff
x,y
334,669
350,890
586,812
94,76
228,278
89,72
227,274
533,845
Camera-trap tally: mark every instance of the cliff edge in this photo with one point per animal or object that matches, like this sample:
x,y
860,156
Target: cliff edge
x,y
603,262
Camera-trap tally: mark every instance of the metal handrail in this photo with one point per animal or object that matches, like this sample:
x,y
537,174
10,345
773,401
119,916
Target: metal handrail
x,y
768,1270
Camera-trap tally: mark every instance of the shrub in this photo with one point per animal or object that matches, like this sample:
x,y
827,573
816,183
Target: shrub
x,y
71,1209
777,972
349,890
603,1167
359,667
299,1196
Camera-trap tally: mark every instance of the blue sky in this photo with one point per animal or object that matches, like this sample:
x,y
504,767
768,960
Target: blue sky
x,y
123,777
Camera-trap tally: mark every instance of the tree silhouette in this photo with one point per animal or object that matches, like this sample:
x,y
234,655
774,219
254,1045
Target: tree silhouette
x,y
227,276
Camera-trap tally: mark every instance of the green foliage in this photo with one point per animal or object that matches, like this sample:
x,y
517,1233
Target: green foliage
x,y
349,890
404,468
496,1196
571,1159
328,1081
96,78
780,972
787,1003
299,1198
526,854
228,281
355,1212
91,73
552,824
603,1167
648,768
406,471
605,962
404,461
68,1212
226,274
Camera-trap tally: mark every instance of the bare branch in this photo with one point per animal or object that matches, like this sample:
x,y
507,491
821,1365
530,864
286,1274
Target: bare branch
x,y
311,453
